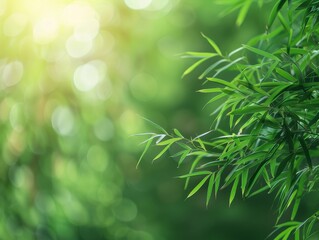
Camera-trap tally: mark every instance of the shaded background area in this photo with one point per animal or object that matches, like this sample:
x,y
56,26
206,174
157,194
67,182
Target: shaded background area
x,y
75,79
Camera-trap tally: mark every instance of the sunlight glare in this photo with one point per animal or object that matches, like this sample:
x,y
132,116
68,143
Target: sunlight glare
x,y
86,77
45,30
14,24
138,4
77,48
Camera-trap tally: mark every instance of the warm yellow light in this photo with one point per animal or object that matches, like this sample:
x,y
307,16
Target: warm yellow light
x,y
138,4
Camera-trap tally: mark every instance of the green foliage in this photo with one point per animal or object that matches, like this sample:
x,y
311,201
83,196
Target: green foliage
x,y
268,93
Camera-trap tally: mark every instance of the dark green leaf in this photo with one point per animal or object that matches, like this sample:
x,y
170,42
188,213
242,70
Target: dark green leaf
x,y
305,150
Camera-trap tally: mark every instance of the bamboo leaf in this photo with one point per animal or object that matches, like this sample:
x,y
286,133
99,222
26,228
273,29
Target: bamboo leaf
x,y
162,152
212,67
217,182
243,12
228,66
182,158
210,90
178,133
168,141
148,144
262,53
156,125
222,82
195,174
283,164
210,188
249,110
193,67
286,75
305,150
233,191
213,44
198,186
275,11
199,54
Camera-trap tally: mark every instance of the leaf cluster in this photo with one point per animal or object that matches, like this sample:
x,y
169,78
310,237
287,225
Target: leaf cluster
x,y
271,143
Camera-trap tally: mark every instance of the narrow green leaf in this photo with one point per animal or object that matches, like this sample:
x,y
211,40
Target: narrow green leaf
x,y
168,141
228,66
283,164
198,186
233,191
243,12
194,66
217,182
275,11
212,67
288,224
203,134
262,53
249,110
277,91
285,234
253,156
305,150
297,234
156,126
210,188
182,158
235,51
269,73
264,188
210,90
286,75
178,133
195,174
201,144
213,44
199,54
255,175
295,208
148,144
162,152
222,82
291,198
194,164
310,226
244,178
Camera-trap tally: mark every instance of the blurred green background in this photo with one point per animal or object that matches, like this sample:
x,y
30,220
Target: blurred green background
x,y
76,78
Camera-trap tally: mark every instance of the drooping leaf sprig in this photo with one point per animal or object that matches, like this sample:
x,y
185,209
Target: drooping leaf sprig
x,y
271,141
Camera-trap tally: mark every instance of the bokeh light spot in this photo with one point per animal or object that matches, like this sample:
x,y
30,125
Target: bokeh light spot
x,y
45,30
14,24
104,129
3,4
138,4
62,121
87,30
158,5
125,210
97,158
76,13
73,209
78,48
11,74
22,177
87,76
131,123
16,116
